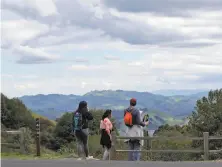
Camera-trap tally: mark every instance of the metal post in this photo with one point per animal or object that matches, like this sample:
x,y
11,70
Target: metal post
x,y
206,145
37,136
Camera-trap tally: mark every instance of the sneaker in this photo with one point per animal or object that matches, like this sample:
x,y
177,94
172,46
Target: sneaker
x,y
79,159
89,157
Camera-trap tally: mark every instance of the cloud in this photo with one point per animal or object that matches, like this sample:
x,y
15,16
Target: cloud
x,y
136,63
15,32
108,85
216,78
25,86
81,60
81,67
169,7
29,77
42,8
136,29
83,84
6,75
33,56
111,58
106,44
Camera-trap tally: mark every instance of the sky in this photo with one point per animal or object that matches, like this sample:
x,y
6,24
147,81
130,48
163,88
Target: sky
x,y
77,46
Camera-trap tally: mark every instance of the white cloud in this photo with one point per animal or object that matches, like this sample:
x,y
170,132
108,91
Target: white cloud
x,y
15,32
25,86
174,52
83,84
82,67
81,60
32,55
6,75
43,7
137,63
108,85
29,77
112,58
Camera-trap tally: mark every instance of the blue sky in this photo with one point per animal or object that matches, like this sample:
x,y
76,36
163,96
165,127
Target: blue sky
x,y
75,46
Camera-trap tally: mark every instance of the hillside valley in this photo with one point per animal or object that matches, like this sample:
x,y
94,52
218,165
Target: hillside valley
x,y
162,109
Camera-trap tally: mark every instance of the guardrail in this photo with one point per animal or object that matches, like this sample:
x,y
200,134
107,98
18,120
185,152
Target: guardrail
x,y
20,132
206,138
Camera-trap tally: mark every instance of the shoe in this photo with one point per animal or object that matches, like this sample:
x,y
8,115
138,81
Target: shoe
x,y
89,157
79,159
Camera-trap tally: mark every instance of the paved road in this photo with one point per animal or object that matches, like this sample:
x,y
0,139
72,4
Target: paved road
x,y
72,163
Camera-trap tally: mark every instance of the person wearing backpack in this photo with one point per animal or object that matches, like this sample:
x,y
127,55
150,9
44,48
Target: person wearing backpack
x,y
80,128
134,124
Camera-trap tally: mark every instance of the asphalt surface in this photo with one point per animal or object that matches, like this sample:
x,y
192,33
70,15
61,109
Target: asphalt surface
x,y
73,163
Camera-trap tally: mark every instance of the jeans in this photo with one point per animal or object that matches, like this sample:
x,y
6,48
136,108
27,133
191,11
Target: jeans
x,y
135,154
106,154
82,142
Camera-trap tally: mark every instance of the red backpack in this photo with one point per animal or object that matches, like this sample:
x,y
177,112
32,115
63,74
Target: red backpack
x,y
128,118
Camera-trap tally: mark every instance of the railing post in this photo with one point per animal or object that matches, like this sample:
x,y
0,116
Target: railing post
x,y
206,145
37,136
22,140
147,144
113,148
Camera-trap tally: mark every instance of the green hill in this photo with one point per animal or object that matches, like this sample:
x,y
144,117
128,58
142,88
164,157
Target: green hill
x,y
163,109
53,105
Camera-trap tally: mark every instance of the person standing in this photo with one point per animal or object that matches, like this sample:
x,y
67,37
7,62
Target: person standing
x,y
106,127
81,130
134,124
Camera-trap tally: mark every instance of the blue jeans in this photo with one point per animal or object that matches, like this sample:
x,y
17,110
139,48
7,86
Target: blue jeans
x,y
135,154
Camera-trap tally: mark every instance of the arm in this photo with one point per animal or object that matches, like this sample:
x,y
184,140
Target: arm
x,y
138,119
107,126
87,114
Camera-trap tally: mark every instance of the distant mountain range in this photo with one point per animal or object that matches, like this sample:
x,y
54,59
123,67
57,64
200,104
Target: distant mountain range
x,y
183,92
163,109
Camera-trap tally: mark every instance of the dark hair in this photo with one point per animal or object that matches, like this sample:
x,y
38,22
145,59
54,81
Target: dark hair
x,y
106,114
82,105
133,102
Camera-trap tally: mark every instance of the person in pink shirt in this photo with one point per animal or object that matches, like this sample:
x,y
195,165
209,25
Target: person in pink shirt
x,y
106,128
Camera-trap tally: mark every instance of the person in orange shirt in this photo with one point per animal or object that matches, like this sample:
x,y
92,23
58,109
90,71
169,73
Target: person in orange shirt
x,y
106,128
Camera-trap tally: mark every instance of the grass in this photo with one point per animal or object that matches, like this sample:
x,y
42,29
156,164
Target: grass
x,y
45,154
17,155
27,157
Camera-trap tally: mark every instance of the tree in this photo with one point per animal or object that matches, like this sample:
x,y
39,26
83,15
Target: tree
x,y
207,117
15,114
63,128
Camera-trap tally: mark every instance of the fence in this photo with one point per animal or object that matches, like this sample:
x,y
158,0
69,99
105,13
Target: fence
x,y
21,145
206,138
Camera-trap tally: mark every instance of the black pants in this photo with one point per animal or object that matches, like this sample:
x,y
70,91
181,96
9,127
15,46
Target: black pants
x,y
82,142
